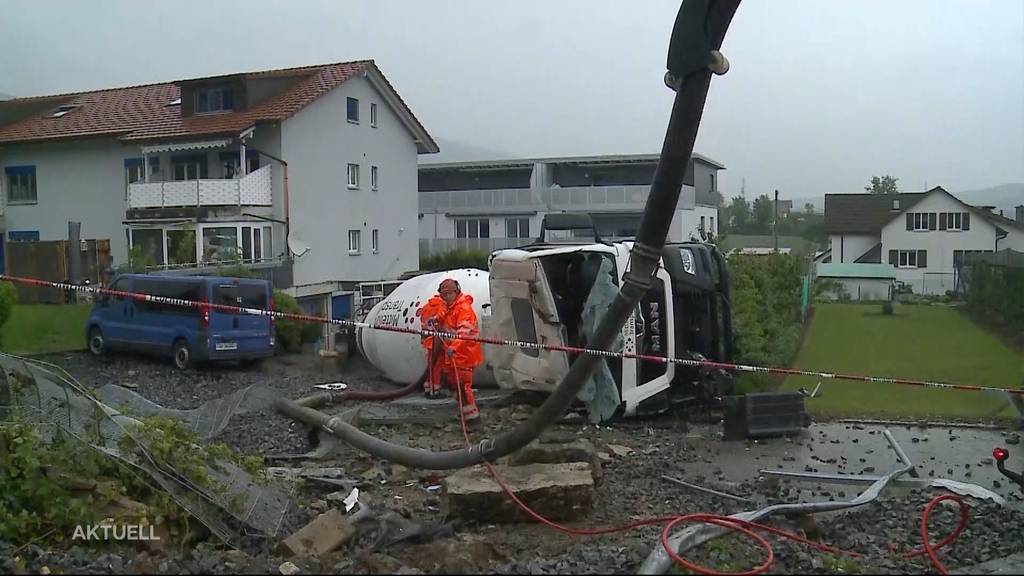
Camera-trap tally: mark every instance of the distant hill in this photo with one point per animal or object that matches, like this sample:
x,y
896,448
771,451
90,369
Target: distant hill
x,y
1004,197
460,151
5,96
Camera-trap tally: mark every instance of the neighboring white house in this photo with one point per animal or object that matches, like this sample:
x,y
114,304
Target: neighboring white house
x,y
309,172
923,235
489,205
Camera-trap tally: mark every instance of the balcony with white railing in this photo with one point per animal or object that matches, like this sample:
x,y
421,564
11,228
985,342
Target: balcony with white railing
x,y
253,189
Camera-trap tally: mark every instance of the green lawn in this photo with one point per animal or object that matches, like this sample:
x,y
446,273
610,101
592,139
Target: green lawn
x,y
934,343
37,328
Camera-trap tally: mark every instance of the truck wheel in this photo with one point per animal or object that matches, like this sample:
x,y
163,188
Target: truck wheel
x,y
97,345
182,354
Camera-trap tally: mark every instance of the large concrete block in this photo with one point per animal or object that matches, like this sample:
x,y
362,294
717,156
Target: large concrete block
x,y
556,491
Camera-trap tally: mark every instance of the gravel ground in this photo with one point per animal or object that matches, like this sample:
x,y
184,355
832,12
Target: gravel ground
x,y
631,489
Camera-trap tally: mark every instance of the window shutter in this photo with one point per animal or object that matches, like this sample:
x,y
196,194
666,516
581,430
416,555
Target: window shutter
x,y
931,220
910,221
894,257
942,220
922,258
966,224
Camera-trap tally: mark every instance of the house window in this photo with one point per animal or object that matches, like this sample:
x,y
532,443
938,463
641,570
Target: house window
x,y
134,171
373,177
712,219
220,243
472,228
23,236
353,241
712,176
517,227
920,221
213,100
21,185
63,110
373,114
701,223
375,241
954,221
912,259
353,110
190,167
353,175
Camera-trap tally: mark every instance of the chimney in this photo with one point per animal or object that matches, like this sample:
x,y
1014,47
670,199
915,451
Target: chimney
x,y
1020,214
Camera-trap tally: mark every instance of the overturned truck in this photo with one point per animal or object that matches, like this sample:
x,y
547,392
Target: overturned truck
x,y
553,292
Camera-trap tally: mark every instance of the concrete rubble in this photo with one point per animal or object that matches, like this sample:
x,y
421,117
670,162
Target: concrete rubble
x,y
558,491
324,534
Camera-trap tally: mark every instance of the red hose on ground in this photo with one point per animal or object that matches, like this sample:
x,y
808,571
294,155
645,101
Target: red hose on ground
x,y
741,526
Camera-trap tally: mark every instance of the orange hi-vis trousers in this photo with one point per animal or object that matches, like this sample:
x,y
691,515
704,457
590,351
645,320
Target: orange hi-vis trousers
x,y
462,376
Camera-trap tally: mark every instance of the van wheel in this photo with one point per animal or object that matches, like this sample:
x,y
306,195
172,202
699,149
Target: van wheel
x,y
97,345
182,354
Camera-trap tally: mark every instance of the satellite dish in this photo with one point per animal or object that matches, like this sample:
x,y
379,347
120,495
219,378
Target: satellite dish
x,y
297,246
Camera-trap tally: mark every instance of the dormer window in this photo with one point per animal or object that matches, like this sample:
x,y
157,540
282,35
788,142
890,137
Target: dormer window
x,y
61,111
211,100
896,204
175,102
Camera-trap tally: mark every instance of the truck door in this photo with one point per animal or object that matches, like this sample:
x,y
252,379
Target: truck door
x,y
652,336
523,309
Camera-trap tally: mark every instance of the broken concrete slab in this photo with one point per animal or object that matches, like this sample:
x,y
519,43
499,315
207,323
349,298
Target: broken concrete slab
x,y
543,453
619,450
557,491
325,533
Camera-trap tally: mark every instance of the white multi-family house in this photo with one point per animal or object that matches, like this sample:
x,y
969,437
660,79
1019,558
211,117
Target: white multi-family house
x,y
490,205
310,172
923,235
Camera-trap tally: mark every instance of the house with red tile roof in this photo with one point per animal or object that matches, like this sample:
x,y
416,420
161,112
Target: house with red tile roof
x,y
310,172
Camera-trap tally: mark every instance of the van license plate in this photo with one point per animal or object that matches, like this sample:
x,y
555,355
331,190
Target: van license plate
x,y
227,346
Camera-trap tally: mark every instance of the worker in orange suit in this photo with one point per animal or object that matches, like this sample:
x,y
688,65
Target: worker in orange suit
x,y
451,311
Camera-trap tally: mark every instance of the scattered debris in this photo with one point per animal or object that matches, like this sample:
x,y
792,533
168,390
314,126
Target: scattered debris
x,y
575,450
288,569
296,473
706,490
331,386
351,500
556,491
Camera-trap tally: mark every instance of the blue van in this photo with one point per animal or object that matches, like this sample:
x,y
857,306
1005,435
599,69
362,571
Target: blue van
x,y
186,334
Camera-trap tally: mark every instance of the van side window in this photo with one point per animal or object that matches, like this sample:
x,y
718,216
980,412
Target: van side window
x,y
244,295
119,285
182,290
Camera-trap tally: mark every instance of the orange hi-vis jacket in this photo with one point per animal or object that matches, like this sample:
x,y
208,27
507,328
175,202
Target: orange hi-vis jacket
x,y
460,319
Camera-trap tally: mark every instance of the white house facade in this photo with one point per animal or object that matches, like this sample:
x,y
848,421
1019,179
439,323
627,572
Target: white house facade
x,y
490,205
307,173
923,235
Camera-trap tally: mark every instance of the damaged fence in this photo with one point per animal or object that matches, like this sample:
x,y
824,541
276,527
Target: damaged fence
x,y
225,498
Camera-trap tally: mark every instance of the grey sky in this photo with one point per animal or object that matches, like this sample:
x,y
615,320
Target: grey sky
x,y
821,95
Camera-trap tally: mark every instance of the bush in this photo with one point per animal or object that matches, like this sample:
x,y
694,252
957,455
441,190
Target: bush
x,y
765,311
8,298
289,332
887,308
454,259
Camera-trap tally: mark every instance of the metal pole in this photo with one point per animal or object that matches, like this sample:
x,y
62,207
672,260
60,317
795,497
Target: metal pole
x,y
775,225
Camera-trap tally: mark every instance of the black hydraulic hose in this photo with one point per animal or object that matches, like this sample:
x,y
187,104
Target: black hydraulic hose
x,y
334,397
699,30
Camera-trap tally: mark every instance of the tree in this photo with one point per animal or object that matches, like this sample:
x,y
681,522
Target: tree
x,y
764,214
809,208
739,215
884,185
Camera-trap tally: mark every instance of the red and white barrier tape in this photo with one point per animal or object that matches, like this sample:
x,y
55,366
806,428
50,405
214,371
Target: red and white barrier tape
x,y
498,342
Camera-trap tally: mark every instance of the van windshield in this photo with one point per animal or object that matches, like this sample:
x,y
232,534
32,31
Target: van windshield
x,y
244,295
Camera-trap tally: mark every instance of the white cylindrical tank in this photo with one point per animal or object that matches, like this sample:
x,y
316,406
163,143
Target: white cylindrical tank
x,y
399,355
